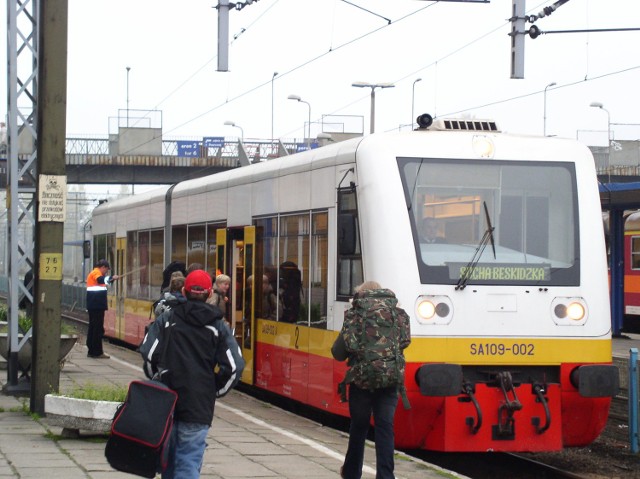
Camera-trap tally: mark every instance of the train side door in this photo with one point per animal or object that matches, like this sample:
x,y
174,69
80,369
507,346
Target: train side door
x,y
248,309
119,287
235,252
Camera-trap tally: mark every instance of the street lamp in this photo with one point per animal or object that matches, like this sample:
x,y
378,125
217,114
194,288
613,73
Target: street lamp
x,y
597,104
373,87
128,68
297,98
231,123
544,118
275,74
413,95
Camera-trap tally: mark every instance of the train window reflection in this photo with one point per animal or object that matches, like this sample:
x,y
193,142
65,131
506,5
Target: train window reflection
x,y
531,207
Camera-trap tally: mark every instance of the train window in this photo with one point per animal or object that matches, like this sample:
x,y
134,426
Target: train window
x,y
100,247
133,287
531,206
179,244
156,263
143,266
267,267
349,262
318,271
293,272
211,263
635,252
196,244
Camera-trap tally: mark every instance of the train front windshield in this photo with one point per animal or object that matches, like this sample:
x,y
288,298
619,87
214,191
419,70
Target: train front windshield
x,y
493,222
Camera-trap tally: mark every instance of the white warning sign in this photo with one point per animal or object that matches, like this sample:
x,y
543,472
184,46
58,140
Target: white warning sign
x,y
52,198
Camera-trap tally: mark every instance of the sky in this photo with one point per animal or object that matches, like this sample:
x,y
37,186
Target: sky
x,y
459,50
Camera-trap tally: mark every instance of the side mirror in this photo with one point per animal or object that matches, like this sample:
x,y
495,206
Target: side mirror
x,y
86,249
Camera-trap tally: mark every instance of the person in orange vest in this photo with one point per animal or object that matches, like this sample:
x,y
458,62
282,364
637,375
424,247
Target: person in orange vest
x,y
97,283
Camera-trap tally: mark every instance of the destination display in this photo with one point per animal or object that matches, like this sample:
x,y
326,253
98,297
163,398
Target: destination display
x,y
484,272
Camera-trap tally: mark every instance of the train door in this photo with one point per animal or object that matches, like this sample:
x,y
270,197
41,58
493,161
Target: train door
x,y
119,287
236,258
248,310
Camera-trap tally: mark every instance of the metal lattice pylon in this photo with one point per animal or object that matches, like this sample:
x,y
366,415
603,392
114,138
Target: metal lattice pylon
x,y
22,81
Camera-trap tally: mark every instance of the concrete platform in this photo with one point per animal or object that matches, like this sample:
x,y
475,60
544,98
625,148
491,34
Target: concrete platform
x,y
248,439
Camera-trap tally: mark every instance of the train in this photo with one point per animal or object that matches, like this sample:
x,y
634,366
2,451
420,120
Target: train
x,y
510,316
631,268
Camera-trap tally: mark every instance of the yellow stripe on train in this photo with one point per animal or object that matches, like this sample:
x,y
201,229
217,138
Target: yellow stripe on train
x,y
527,351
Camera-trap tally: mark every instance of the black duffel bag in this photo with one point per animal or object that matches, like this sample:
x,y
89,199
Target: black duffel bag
x,y
141,429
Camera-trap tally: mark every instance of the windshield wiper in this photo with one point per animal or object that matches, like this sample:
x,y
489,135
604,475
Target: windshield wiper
x,y
471,265
489,228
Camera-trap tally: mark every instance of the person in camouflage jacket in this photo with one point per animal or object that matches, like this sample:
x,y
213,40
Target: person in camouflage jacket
x,y
374,334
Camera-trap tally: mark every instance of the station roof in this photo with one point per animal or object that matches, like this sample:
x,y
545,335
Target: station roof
x,y
620,195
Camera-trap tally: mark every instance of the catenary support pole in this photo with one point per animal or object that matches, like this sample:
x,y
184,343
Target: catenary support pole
x,y
51,190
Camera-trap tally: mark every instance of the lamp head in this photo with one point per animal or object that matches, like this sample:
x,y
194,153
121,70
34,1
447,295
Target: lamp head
x,y
229,123
596,104
294,97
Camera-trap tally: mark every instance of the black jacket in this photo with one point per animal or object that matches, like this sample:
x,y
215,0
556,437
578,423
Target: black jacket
x,y
198,342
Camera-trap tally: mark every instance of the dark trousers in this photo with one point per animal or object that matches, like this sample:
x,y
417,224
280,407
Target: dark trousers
x,y
382,404
95,332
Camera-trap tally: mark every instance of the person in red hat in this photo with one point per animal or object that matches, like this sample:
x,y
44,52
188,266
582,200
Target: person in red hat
x,y
202,362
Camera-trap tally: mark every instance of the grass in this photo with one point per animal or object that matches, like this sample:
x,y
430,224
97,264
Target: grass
x,y
98,392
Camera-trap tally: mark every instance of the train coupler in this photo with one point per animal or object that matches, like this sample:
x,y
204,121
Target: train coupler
x,y
505,429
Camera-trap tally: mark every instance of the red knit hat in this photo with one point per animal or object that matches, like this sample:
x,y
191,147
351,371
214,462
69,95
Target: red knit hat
x,y
198,281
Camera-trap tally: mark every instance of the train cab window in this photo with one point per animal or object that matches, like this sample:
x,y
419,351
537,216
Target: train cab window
x,y
350,272
524,211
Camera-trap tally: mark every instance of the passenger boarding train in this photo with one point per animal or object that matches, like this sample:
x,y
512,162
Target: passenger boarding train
x,y
510,320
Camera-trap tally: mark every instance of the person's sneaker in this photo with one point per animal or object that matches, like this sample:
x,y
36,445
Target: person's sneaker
x,y
101,356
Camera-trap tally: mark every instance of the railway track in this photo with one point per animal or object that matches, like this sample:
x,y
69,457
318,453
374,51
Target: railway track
x,y
494,465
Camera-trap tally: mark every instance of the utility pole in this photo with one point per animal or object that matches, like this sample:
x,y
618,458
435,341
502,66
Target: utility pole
x,y
517,34
51,200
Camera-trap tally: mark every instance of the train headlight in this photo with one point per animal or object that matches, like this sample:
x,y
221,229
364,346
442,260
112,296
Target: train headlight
x,y
575,311
483,146
569,311
426,309
434,310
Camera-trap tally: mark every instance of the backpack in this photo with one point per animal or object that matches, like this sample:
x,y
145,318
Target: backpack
x,y
375,332
141,429
154,344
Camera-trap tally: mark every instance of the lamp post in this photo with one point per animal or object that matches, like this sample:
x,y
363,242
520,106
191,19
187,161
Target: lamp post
x,y
275,74
297,98
597,104
373,87
413,95
128,69
544,117
231,123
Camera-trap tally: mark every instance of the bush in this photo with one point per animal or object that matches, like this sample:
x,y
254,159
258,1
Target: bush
x,y
25,322
98,392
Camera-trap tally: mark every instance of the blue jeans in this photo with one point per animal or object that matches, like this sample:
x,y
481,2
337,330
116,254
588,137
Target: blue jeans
x,y
362,403
186,449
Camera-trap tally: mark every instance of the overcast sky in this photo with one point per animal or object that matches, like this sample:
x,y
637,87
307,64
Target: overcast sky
x,y
319,48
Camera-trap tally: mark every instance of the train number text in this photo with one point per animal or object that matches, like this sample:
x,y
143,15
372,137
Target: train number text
x,y
500,349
